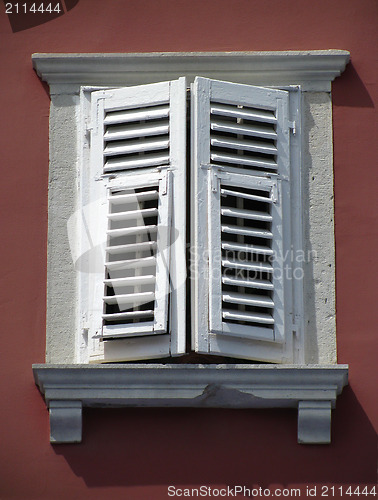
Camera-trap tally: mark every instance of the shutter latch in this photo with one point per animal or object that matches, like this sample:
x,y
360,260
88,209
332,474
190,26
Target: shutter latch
x,y
293,126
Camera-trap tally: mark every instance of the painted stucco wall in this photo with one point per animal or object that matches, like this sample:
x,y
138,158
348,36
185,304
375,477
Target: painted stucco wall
x,y
136,454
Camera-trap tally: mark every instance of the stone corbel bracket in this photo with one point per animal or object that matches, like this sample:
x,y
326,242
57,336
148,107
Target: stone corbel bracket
x,y
312,389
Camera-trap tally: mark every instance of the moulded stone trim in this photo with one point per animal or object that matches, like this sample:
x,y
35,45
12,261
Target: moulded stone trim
x,y
312,69
312,389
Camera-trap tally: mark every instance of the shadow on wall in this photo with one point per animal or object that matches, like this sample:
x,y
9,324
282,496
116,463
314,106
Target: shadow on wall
x,y
143,447
27,14
351,91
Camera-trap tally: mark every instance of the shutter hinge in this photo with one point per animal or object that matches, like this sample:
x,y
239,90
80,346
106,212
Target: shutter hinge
x,y
274,193
105,177
293,126
99,98
296,326
214,181
99,334
164,185
213,172
283,178
88,128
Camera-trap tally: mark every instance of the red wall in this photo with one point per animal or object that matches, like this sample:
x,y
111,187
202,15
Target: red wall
x,y
135,454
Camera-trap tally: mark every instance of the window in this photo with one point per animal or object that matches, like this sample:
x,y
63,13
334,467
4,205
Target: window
x,y
244,168
254,149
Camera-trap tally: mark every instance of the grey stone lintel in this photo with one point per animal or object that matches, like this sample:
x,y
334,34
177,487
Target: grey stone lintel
x,y
312,69
312,389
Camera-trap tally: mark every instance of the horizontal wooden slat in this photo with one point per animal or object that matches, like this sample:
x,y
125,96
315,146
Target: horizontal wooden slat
x,y
128,315
248,266
133,115
257,233
129,147
246,214
239,247
247,196
247,299
113,164
236,128
248,316
128,231
131,263
130,298
133,214
119,132
134,247
120,199
131,281
243,145
259,115
255,283
133,329
244,160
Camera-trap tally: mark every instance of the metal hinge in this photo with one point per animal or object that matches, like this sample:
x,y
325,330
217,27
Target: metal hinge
x,y
105,177
164,184
214,180
293,126
88,128
98,112
274,193
296,326
212,171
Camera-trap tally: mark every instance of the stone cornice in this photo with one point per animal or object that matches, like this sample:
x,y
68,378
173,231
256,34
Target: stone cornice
x,y
311,389
313,69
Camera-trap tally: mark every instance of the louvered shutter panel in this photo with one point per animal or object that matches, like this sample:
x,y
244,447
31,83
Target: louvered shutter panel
x,y
240,187
137,256
245,257
138,163
135,126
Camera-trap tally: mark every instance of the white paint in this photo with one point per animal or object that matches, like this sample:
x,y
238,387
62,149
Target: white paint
x,y
209,332
172,94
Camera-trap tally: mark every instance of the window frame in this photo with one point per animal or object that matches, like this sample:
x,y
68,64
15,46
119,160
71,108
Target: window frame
x,y
68,73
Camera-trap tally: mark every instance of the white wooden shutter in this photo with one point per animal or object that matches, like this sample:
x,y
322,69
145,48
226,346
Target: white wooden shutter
x,y
241,227
138,158
137,256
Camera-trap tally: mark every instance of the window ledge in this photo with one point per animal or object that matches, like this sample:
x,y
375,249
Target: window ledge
x,y
313,69
312,389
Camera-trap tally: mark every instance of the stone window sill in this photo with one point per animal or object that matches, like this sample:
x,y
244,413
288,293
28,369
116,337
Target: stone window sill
x,y
312,389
